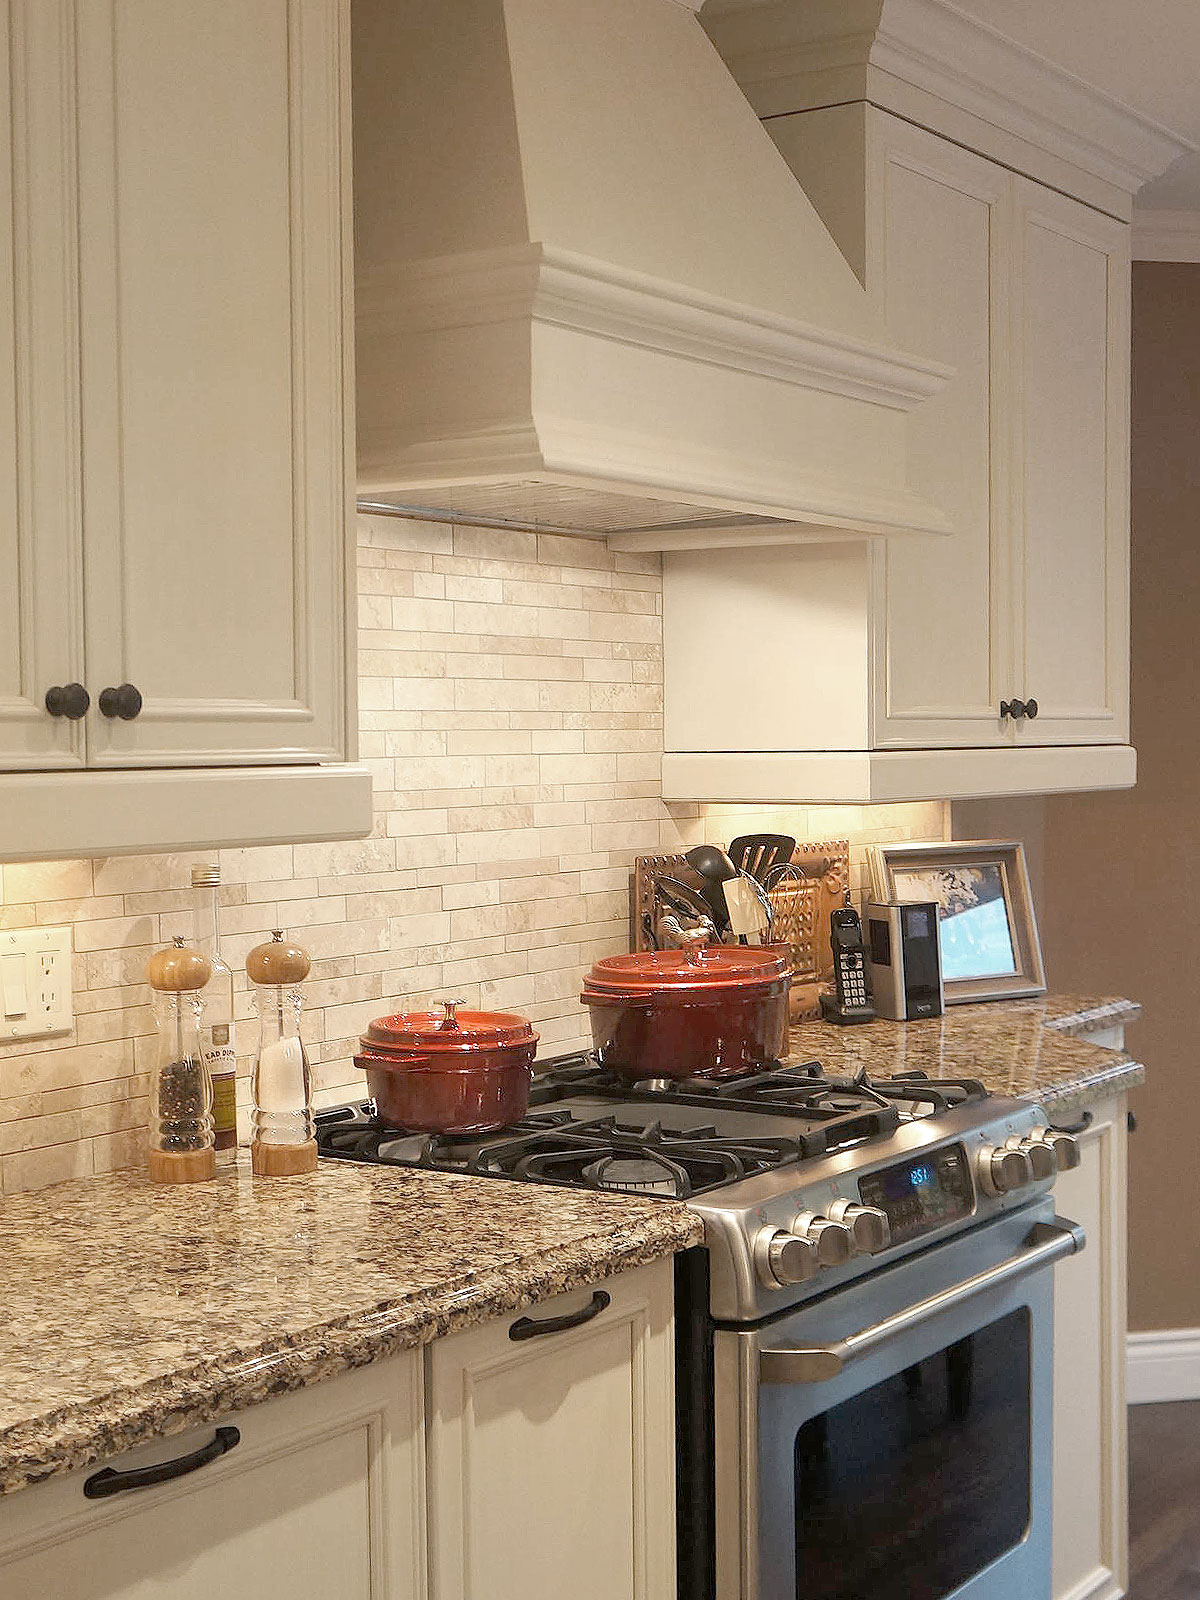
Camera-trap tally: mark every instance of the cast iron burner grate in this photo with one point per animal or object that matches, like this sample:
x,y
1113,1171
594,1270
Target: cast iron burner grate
x,y
835,1112
556,1147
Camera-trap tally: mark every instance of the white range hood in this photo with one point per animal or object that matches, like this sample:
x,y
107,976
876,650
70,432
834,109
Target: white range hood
x,y
592,297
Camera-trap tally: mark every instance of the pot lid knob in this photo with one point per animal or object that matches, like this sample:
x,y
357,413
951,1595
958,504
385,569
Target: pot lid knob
x,y
449,1022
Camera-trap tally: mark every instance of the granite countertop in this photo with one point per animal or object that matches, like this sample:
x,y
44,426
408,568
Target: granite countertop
x,y
1037,1049
133,1311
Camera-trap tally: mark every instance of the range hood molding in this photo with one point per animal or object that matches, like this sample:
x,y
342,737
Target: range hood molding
x,y
529,383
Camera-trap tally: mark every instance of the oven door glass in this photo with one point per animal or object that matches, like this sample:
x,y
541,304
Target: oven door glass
x,y
909,1488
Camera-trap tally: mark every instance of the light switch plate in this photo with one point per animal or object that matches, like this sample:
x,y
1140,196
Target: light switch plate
x,y
35,983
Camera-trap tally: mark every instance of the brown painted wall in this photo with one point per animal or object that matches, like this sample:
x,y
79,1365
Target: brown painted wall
x,y
1119,899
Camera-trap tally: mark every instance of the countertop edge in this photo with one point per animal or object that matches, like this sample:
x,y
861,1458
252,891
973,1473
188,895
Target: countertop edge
x,y
80,1436
1111,1013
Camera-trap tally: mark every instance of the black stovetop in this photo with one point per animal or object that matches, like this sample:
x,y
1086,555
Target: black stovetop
x,y
587,1128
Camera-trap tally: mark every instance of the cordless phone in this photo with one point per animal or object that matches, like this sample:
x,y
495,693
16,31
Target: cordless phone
x,y
851,1001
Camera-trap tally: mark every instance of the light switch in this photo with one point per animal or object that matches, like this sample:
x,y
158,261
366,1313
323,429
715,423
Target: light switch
x,y
35,983
13,985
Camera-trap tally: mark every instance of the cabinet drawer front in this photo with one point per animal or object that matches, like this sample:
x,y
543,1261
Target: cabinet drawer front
x,y
323,1495
213,155
551,1459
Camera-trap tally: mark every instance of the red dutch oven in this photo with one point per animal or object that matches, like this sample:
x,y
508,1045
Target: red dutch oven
x,y
710,1012
449,1071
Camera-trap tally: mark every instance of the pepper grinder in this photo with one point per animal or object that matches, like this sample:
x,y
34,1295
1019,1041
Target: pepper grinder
x,y
182,1139
283,1140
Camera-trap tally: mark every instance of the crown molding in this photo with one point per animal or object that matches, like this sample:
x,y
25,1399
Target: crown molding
x,y
560,288
797,55
1166,235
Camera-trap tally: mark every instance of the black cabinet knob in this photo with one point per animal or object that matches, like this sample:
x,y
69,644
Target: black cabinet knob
x,y
70,700
1031,709
1016,709
124,702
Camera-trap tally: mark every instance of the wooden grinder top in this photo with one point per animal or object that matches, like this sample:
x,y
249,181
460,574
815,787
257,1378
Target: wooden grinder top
x,y
178,969
278,962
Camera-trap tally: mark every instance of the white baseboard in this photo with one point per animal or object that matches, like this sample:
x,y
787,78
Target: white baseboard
x,y
1163,1365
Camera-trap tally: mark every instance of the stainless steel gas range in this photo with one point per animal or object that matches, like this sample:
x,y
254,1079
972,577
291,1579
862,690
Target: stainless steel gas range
x,y
864,1342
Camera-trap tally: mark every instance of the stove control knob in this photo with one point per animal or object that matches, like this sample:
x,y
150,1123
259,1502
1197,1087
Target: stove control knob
x,y
1002,1171
1065,1147
782,1259
1041,1156
833,1241
869,1227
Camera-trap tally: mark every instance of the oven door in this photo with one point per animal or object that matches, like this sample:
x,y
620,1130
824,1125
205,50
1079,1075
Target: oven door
x,y
893,1440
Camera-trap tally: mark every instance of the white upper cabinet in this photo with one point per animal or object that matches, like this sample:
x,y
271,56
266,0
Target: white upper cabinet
x,y
40,557
1071,390
214,484
175,541
992,661
936,240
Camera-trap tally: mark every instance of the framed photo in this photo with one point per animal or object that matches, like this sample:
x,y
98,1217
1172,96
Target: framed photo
x,y
986,926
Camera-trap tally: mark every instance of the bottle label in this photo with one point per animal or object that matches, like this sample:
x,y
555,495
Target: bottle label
x,y
222,1069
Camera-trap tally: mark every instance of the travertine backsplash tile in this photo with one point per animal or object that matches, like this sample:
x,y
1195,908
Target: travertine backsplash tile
x,y
511,716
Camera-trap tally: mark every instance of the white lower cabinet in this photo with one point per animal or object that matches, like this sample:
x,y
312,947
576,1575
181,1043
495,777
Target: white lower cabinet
x,y
551,1457
549,1460
1090,1498
321,1496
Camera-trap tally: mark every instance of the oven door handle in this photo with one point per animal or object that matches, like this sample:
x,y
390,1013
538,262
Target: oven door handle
x,y
1046,1242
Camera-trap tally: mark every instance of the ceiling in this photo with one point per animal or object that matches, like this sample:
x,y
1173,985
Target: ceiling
x,y
1142,52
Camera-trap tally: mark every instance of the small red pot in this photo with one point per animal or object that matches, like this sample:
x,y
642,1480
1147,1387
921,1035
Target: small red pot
x,y
449,1071
715,1012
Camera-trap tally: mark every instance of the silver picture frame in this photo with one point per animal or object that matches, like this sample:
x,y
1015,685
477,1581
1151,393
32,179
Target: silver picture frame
x,y
939,870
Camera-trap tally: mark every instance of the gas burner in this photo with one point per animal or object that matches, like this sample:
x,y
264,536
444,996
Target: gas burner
x,y
636,1174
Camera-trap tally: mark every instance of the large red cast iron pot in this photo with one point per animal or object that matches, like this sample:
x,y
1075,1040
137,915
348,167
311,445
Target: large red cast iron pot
x,y
713,1012
449,1071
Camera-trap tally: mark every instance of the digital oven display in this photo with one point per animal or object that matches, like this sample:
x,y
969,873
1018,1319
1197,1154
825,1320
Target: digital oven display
x,y
920,1195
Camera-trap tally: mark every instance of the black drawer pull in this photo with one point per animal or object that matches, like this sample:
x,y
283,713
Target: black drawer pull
x,y
1081,1126
102,1484
528,1328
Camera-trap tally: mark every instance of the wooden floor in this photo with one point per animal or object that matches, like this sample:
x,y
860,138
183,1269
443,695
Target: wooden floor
x,y
1164,1501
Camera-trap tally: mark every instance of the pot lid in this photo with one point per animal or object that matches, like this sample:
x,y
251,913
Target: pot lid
x,y
449,1030
711,969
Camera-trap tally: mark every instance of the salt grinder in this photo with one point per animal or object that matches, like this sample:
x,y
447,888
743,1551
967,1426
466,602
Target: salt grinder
x,y
182,1146
282,1119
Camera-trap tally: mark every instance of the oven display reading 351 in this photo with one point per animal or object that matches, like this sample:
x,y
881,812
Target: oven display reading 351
x,y
922,1194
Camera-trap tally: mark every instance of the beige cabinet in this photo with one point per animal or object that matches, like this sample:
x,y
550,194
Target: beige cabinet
x,y
892,662
322,1495
1090,1494
41,566
1025,292
176,472
551,1458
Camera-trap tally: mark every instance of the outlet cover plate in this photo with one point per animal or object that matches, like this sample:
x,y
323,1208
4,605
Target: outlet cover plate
x,y
35,983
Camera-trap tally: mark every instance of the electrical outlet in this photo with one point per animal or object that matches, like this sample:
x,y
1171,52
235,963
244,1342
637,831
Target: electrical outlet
x,y
35,983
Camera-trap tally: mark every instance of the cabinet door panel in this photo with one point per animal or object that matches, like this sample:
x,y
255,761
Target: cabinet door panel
x,y
323,1496
1073,442
41,638
1090,1556
212,279
937,257
551,1461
